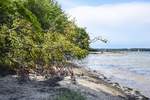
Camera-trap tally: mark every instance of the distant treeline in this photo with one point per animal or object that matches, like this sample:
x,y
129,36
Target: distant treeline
x,y
117,50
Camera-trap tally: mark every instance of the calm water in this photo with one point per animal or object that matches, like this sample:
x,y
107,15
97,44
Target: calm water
x,y
130,69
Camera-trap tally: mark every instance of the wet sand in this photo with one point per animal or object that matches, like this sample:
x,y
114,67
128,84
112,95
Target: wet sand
x,y
99,82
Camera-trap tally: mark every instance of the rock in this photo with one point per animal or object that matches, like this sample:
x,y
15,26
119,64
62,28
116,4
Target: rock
x,y
115,84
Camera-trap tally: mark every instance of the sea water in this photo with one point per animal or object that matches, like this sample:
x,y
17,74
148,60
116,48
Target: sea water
x,y
131,69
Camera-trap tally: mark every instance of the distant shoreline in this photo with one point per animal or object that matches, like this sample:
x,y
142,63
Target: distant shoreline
x,y
118,50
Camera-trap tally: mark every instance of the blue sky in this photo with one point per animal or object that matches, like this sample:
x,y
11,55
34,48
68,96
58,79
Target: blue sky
x,y
125,23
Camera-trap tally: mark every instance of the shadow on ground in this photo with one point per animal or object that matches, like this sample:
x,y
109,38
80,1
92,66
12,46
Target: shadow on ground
x,y
49,89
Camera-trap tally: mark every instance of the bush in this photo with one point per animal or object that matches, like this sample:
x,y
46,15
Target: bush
x,y
67,94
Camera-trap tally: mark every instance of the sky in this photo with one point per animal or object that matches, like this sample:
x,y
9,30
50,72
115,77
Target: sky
x,y
124,23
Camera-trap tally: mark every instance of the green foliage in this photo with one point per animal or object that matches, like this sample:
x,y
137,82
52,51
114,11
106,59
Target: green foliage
x,y
48,13
27,14
70,95
82,38
34,31
7,11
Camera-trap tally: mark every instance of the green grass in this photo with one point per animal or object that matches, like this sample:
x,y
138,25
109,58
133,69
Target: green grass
x,y
67,94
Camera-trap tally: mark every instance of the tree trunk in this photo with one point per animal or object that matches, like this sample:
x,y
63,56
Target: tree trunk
x,y
23,74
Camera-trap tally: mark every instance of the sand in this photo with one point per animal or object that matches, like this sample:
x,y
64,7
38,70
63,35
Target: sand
x,y
92,85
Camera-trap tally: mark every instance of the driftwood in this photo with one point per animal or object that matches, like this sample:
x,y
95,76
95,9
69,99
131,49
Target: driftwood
x,y
49,72
59,71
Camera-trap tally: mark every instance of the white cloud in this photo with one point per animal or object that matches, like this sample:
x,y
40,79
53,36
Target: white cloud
x,y
121,22
116,14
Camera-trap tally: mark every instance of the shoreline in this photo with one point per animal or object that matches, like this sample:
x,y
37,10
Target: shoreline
x,y
101,79
90,84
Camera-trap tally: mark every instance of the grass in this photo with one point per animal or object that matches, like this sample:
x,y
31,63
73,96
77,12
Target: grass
x,y
67,94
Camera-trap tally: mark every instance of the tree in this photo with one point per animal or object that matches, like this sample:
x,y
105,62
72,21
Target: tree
x,y
35,32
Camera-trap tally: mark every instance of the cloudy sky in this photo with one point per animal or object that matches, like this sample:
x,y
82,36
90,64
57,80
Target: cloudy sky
x,y
125,23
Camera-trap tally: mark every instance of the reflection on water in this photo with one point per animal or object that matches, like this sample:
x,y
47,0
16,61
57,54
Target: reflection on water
x,y
130,69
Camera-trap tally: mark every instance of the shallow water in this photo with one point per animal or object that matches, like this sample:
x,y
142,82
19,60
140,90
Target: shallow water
x,y
131,69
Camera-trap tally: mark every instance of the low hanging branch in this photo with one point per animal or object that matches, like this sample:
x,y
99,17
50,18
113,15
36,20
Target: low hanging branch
x,y
98,38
